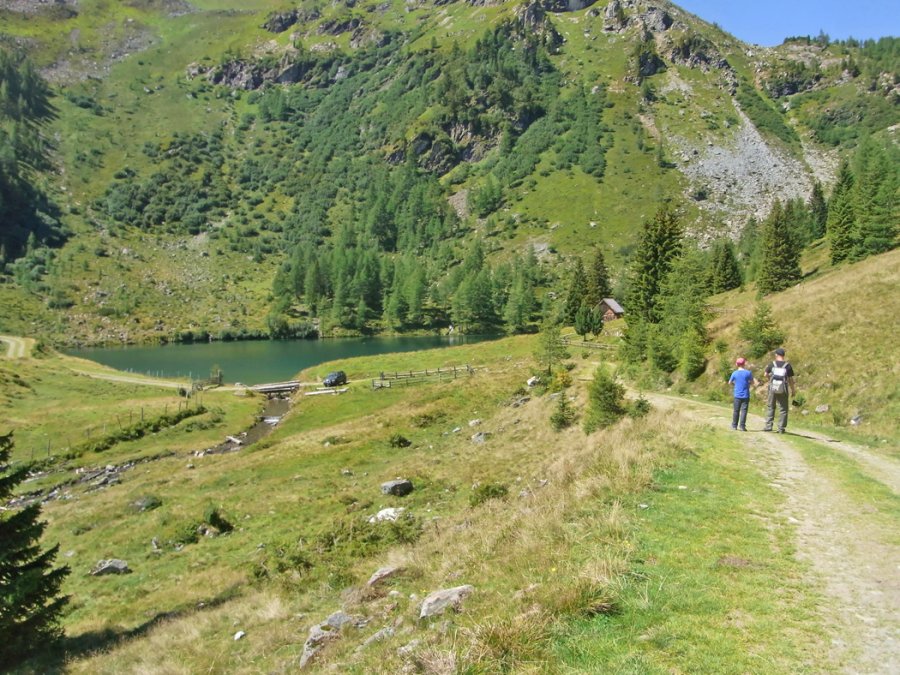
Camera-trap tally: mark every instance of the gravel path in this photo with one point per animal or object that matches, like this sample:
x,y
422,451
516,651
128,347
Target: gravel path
x,y
17,347
849,551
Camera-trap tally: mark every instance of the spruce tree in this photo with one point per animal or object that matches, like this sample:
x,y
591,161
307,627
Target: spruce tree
x,y
875,200
583,321
818,209
30,603
780,264
598,285
726,272
576,293
550,349
659,245
606,401
841,223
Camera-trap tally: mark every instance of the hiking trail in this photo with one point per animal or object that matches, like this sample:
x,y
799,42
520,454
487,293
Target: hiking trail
x,y
852,558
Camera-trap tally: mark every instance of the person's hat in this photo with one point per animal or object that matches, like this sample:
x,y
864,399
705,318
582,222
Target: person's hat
x,y
779,352
741,361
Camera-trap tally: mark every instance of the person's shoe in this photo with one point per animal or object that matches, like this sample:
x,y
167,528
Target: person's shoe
x,y
781,431
767,430
743,428
733,428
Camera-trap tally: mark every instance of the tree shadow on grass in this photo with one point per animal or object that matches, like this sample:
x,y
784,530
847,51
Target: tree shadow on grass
x,y
55,658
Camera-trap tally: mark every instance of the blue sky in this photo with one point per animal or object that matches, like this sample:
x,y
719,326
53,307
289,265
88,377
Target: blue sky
x,y
768,22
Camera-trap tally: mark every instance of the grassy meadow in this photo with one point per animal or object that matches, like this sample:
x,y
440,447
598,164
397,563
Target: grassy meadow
x,y
584,551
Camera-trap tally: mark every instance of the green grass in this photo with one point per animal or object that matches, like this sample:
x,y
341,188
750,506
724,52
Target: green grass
x,y
704,548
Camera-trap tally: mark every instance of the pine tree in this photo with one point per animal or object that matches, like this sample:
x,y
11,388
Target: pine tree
x,y
598,286
30,603
841,223
606,401
726,272
875,200
583,320
761,331
780,264
818,209
576,293
660,244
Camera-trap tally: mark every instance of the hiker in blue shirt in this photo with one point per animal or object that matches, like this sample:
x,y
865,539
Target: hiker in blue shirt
x,y
742,380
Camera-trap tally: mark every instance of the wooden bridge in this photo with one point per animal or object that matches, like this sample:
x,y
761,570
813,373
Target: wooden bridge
x,y
388,380
276,387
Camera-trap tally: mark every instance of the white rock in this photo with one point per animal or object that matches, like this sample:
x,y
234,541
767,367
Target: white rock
x,y
239,635
390,514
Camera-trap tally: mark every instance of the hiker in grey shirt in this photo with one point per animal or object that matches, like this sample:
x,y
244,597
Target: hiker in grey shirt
x,y
781,389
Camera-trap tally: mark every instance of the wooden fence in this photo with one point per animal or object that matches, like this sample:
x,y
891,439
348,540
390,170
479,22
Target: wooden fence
x,y
584,344
388,380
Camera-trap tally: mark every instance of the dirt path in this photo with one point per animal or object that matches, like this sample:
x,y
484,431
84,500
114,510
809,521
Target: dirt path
x,y
17,347
846,548
134,379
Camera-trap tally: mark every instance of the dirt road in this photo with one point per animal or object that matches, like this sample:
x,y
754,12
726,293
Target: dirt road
x,y
17,347
853,558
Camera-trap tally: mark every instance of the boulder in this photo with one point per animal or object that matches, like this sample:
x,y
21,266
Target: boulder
x,y
533,381
824,408
383,573
439,601
328,630
399,487
378,636
111,566
480,437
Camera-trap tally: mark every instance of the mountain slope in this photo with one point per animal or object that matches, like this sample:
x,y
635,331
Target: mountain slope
x,y
257,139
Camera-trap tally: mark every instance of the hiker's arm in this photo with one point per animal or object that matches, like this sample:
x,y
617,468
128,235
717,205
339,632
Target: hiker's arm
x,y
791,386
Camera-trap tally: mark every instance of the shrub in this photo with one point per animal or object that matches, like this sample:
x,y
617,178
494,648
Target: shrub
x,y
399,441
487,491
214,518
640,407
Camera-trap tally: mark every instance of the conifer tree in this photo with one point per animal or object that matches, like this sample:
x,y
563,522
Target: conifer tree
x,y
550,350
606,401
726,272
583,320
780,264
875,200
841,221
598,286
576,293
659,246
818,209
30,603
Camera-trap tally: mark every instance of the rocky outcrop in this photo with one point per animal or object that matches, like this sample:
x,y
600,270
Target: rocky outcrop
x,y
323,633
338,26
438,602
383,573
249,75
278,22
566,5
531,19
111,566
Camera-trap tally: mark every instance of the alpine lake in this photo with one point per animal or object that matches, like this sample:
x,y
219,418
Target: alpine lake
x,y
255,361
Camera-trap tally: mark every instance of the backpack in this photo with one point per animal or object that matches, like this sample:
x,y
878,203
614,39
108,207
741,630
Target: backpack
x,y
779,378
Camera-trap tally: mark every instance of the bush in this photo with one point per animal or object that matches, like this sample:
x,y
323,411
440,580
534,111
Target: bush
x,y
214,518
640,408
399,441
483,493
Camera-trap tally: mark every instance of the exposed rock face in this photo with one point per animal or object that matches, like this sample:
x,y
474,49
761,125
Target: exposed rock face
x,y
566,5
338,26
111,566
439,601
278,22
249,75
399,487
615,19
532,20
656,20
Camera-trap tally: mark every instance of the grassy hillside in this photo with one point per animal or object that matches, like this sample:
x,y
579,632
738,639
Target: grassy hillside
x,y
245,175
840,326
570,568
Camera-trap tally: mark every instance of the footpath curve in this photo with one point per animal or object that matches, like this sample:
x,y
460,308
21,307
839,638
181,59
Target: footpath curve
x,y
852,558
17,347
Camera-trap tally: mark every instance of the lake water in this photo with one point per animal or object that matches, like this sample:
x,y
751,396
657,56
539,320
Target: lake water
x,y
255,361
